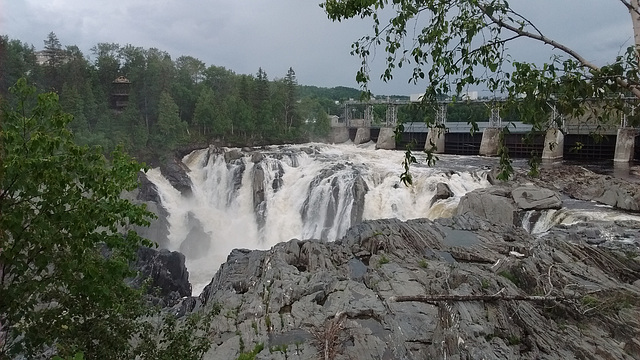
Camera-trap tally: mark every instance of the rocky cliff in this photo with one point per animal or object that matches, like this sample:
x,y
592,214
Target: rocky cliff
x,y
460,288
475,286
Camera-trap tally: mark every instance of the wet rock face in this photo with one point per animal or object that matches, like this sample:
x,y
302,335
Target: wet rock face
x,y
583,184
176,173
443,192
303,299
359,189
167,273
197,242
259,201
147,193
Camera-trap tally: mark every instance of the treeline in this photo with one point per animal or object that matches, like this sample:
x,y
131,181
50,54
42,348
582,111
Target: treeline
x,y
172,102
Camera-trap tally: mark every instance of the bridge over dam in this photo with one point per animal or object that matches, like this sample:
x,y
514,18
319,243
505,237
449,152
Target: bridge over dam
x,y
573,140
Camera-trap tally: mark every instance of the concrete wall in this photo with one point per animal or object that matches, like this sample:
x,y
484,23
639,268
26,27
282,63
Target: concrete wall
x,y
553,145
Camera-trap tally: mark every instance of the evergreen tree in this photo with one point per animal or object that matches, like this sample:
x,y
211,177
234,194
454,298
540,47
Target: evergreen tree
x,y
291,116
107,64
16,60
72,103
204,113
169,131
54,58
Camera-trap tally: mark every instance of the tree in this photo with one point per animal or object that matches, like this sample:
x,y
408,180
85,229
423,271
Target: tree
x,y
16,60
205,110
107,64
170,130
465,43
55,57
64,245
291,117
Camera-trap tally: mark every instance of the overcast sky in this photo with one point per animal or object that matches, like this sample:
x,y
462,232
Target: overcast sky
x,y
243,35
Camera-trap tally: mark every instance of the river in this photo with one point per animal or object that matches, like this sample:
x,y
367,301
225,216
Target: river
x,y
255,199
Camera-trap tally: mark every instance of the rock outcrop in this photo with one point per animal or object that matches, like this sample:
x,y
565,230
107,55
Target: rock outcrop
x,y
580,183
166,273
197,242
176,173
506,203
536,198
147,193
459,288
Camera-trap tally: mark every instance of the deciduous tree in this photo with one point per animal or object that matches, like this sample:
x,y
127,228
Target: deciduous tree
x,y
63,253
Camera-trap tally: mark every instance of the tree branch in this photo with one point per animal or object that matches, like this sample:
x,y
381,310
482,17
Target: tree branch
x,y
499,22
630,6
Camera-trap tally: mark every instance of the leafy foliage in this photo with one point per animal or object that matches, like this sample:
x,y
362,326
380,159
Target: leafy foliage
x,y
62,249
188,340
66,245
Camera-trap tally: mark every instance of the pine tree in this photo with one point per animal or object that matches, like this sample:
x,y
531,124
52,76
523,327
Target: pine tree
x,y
169,131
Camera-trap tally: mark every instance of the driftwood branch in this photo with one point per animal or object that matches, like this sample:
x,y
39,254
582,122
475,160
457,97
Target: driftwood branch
x,y
488,298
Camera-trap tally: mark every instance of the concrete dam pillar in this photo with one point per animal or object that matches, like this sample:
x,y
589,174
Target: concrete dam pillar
x,y
339,134
386,139
490,141
435,137
553,145
625,143
363,134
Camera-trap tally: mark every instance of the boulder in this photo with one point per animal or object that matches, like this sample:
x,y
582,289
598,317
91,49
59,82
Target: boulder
x,y
442,192
197,242
493,204
166,272
176,173
256,157
536,198
232,155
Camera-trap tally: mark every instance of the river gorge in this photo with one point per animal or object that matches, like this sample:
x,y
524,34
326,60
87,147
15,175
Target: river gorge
x,y
459,265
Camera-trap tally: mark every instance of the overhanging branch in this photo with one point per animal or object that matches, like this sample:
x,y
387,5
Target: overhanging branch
x,y
539,37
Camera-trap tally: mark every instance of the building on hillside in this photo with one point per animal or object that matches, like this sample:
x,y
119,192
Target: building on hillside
x,y
335,120
120,88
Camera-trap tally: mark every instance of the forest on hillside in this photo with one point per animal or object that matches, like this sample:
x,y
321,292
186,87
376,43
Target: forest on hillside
x,y
182,102
171,103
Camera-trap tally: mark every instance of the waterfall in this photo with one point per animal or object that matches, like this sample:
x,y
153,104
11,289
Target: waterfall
x,y
255,199
538,222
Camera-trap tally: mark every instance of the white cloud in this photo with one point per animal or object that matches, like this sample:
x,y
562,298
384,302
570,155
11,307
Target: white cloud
x,y
277,34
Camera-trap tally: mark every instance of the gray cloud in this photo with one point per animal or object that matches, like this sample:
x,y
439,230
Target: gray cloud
x,y
277,34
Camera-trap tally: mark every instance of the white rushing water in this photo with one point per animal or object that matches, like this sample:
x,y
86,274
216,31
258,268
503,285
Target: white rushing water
x,y
306,195
256,199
